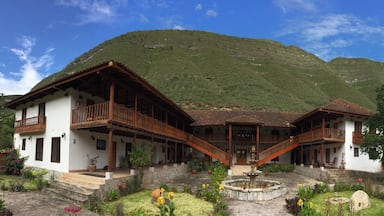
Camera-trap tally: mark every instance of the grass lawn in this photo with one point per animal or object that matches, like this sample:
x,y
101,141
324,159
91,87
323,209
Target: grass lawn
x,y
28,184
185,204
319,201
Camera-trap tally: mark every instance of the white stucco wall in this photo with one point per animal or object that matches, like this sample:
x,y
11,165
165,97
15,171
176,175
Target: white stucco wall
x,y
57,124
362,162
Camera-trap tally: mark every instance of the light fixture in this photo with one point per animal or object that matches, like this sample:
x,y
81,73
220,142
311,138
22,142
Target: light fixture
x,y
30,137
62,135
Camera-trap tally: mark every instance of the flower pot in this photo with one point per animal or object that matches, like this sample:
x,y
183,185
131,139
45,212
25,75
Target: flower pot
x,y
92,168
194,171
209,171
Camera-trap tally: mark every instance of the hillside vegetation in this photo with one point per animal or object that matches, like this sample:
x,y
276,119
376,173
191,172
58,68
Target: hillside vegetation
x,y
201,70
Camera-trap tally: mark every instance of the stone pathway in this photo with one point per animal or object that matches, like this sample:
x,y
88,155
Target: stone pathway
x,y
271,207
37,203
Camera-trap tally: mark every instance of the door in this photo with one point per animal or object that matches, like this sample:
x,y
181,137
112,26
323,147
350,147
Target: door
x,y
327,155
241,156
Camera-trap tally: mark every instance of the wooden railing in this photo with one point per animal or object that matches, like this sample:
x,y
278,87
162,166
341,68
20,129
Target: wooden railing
x,y
87,116
357,137
277,150
208,149
34,124
329,133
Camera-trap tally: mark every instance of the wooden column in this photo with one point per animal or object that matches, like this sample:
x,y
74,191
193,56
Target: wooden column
x,y
257,142
175,156
323,126
311,155
302,155
135,111
322,154
111,152
183,152
111,100
166,152
230,144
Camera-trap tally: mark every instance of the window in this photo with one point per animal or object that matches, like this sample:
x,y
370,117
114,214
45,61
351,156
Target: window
x,y
39,149
23,144
101,144
356,152
358,126
55,150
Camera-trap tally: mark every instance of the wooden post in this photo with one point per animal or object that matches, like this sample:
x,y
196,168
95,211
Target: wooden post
x,y
302,154
230,144
111,100
111,154
257,142
322,154
135,111
323,127
183,152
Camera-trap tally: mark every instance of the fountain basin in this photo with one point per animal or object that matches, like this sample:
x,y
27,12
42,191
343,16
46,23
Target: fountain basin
x,y
243,189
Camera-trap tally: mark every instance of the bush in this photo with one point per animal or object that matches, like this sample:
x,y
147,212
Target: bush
x,y
320,188
13,163
16,186
341,186
291,205
129,186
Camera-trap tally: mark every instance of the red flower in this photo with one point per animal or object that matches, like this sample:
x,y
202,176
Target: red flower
x,y
360,180
72,209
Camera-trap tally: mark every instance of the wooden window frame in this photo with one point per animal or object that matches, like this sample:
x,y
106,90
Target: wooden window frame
x,y
101,144
55,149
23,144
356,152
39,149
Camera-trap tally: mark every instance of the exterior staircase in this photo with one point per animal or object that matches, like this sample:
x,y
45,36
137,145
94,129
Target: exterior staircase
x,y
277,150
339,175
207,148
76,187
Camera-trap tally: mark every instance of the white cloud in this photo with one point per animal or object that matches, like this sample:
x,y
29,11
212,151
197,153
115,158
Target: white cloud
x,y
94,11
323,35
198,7
29,74
211,13
178,27
296,5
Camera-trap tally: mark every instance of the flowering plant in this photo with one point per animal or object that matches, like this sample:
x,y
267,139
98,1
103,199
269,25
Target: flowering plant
x,y
166,205
92,160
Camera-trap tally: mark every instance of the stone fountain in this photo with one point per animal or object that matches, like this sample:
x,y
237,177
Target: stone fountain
x,y
251,189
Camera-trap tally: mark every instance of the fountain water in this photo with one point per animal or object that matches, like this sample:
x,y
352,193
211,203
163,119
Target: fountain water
x,y
251,189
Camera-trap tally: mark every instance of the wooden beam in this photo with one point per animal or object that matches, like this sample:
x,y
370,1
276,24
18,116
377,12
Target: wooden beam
x,y
257,142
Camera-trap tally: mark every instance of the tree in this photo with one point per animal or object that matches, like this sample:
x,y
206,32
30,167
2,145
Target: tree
x,y
7,119
374,132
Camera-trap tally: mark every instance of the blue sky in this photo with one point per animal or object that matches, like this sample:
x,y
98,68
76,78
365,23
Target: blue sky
x,y
41,37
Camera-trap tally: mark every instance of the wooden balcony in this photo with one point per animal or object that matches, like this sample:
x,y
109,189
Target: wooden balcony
x,y
357,137
330,134
31,125
98,115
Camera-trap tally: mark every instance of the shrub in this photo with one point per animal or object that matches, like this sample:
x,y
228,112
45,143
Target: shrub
x,y
112,195
304,192
13,163
16,186
129,186
320,188
291,205
277,167
341,186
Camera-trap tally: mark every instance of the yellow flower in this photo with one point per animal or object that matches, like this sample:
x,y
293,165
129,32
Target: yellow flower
x,y
203,186
171,195
162,190
300,202
221,187
160,200
299,185
310,205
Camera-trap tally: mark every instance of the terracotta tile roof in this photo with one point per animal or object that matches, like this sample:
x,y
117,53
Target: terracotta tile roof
x,y
218,117
338,106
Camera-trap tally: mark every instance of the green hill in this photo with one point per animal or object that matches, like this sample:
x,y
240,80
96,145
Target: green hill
x,y
201,70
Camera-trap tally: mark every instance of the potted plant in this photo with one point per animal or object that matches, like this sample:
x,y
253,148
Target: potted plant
x,y
138,158
92,163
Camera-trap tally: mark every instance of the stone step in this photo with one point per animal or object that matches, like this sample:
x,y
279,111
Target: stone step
x,y
76,198
82,180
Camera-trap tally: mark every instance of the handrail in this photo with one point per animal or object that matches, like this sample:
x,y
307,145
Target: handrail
x,y
36,120
317,134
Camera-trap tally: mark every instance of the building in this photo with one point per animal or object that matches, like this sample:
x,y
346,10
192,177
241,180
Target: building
x,y
107,110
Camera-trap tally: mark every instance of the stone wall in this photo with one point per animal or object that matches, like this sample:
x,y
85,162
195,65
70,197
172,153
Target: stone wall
x,y
315,173
153,177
